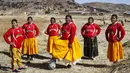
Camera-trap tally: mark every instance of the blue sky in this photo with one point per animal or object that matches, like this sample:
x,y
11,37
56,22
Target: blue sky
x,y
110,1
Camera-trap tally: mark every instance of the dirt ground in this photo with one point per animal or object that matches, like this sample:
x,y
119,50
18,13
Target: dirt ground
x,y
39,64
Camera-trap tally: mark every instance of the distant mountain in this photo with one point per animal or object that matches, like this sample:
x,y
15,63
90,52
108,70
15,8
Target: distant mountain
x,y
38,3
109,6
21,6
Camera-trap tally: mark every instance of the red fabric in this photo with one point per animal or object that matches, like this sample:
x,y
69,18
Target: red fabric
x,y
90,30
30,30
68,32
53,29
113,32
17,36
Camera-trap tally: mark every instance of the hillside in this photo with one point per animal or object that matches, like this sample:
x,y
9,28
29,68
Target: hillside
x,y
55,6
109,6
5,4
8,7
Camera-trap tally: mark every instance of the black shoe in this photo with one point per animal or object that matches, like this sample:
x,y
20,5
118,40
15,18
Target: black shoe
x,y
21,68
31,59
69,66
15,70
53,60
32,56
28,62
93,58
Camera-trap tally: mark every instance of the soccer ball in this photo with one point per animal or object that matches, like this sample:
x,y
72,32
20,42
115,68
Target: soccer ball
x,y
52,65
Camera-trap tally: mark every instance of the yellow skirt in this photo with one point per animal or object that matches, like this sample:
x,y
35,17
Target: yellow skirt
x,y
30,46
60,50
51,43
115,51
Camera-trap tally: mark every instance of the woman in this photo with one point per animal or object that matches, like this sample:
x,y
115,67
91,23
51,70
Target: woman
x,y
90,31
30,47
67,47
114,34
53,32
17,36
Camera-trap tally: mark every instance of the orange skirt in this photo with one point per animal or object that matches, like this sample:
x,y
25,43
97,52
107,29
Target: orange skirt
x,y
30,46
115,51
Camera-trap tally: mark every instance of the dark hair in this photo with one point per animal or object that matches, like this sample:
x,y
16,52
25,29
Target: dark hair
x,y
53,18
68,16
91,18
14,20
29,18
114,15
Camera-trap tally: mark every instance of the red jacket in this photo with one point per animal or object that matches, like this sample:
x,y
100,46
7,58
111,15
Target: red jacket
x,y
90,30
30,30
17,36
113,32
68,32
53,29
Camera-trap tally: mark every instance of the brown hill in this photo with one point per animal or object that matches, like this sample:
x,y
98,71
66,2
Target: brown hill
x,y
20,6
109,6
37,3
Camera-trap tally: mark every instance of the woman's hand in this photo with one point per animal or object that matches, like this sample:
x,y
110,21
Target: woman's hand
x,y
70,45
12,43
46,32
93,37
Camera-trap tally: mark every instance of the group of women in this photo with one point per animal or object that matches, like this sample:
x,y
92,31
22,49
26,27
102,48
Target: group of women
x,y
62,41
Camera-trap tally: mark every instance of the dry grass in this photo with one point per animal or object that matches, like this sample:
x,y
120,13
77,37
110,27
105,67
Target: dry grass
x,y
5,23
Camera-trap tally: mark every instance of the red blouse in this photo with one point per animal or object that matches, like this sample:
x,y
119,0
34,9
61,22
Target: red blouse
x,y
31,30
90,30
113,32
68,32
17,36
53,29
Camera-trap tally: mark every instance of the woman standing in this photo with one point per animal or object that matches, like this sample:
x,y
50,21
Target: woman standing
x,y
90,31
114,34
30,47
17,36
67,47
53,32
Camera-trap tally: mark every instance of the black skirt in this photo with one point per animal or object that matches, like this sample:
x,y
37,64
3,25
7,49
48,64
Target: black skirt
x,y
90,47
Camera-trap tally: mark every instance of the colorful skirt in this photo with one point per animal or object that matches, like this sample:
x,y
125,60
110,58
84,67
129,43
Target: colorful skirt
x,y
60,50
51,43
90,47
115,51
30,46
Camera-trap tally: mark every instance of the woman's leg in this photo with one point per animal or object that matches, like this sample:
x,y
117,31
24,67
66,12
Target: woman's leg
x,y
19,61
31,57
28,59
53,60
94,48
14,56
87,47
